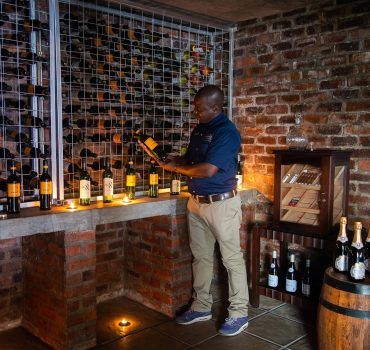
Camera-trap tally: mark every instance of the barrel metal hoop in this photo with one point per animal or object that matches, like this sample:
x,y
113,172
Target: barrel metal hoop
x,y
344,310
356,288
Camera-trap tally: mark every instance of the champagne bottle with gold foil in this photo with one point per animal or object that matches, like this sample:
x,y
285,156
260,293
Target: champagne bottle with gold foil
x,y
341,251
13,187
130,180
367,253
357,255
46,187
153,180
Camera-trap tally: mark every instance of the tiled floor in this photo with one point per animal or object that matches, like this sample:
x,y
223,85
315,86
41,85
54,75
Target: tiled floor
x,y
274,325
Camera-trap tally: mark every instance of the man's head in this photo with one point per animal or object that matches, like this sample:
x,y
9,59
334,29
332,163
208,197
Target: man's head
x,y
208,103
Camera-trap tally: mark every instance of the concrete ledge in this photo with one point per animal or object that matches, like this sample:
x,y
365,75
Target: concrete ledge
x,y
32,221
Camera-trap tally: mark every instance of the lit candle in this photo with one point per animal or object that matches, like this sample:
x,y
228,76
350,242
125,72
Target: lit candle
x,y
124,323
125,200
72,206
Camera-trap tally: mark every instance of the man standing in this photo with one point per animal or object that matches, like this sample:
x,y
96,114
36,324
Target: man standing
x,y
214,210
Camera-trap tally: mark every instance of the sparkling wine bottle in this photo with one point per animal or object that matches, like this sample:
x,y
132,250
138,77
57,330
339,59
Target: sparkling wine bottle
x,y
356,259
291,277
273,276
46,187
341,251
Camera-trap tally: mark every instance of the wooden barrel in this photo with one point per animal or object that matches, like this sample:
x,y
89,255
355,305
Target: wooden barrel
x,y
343,319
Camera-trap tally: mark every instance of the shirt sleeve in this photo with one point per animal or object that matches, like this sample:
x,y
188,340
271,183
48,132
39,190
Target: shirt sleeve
x,y
223,148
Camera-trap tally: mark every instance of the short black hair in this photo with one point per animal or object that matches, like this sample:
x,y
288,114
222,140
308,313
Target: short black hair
x,y
213,94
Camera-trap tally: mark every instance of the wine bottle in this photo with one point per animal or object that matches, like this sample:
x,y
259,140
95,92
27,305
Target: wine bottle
x,y
5,153
85,153
4,87
85,184
149,142
107,183
73,138
175,183
273,276
31,25
239,173
130,180
117,164
4,120
70,78
367,253
19,72
306,281
341,251
13,188
72,108
16,104
16,136
46,187
153,180
291,278
35,90
6,54
97,138
3,19
31,56
356,258
70,168
28,151
29,120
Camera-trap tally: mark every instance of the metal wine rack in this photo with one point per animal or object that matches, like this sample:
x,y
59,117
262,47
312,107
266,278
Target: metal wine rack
x,y
25,133
115,68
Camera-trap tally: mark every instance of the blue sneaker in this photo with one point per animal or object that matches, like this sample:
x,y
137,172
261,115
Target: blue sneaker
x,y
192,316
233,326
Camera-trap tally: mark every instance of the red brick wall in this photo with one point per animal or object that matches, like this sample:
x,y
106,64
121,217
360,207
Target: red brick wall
x,y
59,288
10,282
109,260
158,262
313,60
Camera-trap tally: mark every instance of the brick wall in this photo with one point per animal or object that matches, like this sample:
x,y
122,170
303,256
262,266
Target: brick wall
x,y
313,60
10,282
59,288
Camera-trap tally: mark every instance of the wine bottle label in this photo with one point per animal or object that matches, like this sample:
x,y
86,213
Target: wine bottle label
x,y
14,190
153,179
306,289
175,186
85,192
357,271
130,180
273,281
46,187
240,181
341,263
107,187
342,239
291,285
150,143
357,245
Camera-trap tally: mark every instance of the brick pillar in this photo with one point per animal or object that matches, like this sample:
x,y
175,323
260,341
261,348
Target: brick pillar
x,y
157,263
60,288
10,282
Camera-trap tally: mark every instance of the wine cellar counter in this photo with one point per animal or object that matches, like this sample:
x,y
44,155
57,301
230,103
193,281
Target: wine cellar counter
x,y
117,69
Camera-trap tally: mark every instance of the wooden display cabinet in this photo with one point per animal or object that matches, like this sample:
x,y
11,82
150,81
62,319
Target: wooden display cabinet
x,y
311,190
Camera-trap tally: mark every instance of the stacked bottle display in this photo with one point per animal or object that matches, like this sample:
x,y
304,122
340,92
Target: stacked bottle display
x,y
119,75
24,97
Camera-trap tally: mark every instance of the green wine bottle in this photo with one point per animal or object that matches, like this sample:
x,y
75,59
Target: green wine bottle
x,y
153,180
85,185
130,180
107,183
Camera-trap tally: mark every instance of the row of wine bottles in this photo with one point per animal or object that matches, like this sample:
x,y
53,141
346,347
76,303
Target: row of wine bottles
x,y
291,283
353,259
24,89
21,55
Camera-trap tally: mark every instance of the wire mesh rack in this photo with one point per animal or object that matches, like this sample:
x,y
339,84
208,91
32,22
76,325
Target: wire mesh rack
x,y
115,68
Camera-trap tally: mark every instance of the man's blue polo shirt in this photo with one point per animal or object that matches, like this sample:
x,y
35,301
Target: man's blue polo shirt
x,y
216,142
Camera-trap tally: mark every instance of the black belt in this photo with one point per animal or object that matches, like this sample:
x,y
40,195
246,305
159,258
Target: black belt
x,y
215,197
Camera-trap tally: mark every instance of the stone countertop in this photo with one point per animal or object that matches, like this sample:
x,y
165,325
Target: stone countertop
x,y
32,221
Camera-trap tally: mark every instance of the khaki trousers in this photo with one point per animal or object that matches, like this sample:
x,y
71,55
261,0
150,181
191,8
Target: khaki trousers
x,y
208,223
